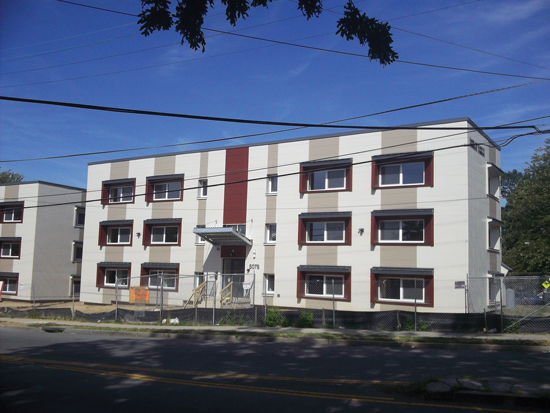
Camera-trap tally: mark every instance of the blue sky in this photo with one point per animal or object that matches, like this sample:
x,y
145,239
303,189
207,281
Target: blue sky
x,y
62,52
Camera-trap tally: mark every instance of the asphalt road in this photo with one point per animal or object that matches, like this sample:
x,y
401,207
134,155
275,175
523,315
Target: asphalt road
x,y
84,372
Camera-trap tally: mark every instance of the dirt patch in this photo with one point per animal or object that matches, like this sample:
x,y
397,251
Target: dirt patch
x,y
78,306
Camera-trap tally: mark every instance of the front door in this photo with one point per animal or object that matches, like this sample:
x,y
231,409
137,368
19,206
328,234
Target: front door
x,y
233,271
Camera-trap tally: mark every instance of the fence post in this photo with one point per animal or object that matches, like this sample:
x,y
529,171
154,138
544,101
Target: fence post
x,y
254,288
116,298
72,318
415,310
502,289
333,307
265,298
161,297
214,305
33,298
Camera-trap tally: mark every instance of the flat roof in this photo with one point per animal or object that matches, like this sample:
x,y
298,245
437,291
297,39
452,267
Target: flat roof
x,y
42,183
305,138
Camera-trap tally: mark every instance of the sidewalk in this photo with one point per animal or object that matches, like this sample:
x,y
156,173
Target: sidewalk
x,y
495,390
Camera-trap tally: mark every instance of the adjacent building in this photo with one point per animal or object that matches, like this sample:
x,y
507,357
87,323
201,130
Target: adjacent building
x,y
372,220
41,233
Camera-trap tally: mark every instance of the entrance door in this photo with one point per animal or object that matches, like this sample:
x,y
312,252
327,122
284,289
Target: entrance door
x,y
233,271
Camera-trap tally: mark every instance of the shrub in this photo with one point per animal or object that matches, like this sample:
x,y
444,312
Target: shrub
x,y
275,318
305,320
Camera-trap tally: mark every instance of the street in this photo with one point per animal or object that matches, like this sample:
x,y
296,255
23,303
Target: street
x,y
86,372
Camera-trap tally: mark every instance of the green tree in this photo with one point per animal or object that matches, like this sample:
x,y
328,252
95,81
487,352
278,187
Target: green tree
x,y
7,177
526,216
189,16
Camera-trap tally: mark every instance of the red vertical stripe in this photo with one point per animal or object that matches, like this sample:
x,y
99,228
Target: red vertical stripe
x,y
235,199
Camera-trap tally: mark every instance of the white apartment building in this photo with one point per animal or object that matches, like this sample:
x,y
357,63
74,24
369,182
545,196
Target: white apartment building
x,y
41,232
374,220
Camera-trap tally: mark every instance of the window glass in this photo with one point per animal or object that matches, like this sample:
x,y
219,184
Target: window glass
x,y
271,232
118,236
413,230
335,231
273,183
10,285
390,174
203,188
389,230
413,289
413,173
314,285
336,179
389,288
316,231
171,234
80,218
10,249
270,283
317,180
338,283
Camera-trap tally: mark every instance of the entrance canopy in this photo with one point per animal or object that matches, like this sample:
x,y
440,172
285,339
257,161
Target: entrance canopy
x,y
222,236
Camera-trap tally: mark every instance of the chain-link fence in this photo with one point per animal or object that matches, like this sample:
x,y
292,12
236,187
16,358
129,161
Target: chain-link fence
x,y
493,304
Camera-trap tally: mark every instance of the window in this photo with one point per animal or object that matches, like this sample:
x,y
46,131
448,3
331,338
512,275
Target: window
x,y
402,227
10,283
79,217
116,232
162,231
406,169
10,248
11,212
402,286
238,227
494,234
325,228
152,273
77,251
269,284
272,183
324,282
164,188
270,233
493,176
325,176
203,188
113,274
118,191
198,238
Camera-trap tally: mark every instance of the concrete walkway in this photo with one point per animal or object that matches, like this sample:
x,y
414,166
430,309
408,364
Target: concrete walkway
x,y
495,390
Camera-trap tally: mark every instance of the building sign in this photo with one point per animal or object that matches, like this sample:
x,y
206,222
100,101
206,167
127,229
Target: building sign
x,y
139,295
460,285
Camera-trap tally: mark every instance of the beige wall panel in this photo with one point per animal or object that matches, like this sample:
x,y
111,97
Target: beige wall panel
x,y
201,212
398,256
269,259
322,148
322,254
116,212
204,165
271,212
398,141
322,202
114,254
162,210
119,170
8,230
11,193
399,198
165,165
199,258
272,158
6,266
159,254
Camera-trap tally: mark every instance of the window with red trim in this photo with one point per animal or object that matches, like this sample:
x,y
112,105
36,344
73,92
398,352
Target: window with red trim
x,y
162,232
325,176
11,212
402,170
324,283
10,248
151,276
164,188
10,283
116,233
113,275
120,191
406,227
324,228
402,288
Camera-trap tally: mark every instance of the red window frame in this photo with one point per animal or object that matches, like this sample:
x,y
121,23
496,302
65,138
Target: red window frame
x,y
155,180
428,289
11,205
306,169
304,221
106,188
149,225
102,268
104,228
10,241
301,284
145,268
401,159
11,276
428,228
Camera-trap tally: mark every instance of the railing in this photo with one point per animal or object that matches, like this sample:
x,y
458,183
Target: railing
x,y
198,294
226,295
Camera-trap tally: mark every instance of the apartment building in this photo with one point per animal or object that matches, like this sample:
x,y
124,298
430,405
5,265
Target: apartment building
x,y
370,220
41,233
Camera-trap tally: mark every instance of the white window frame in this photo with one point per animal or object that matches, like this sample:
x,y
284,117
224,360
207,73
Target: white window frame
x,y
9,282
76,246
164,229
121,196
327,285
272,184
78,212
12,212
156,274
269,284
198,239
118,242
400,240
10,249
270,232
401,174
166,194
401,298
119,277
203,188
327,179
325,233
